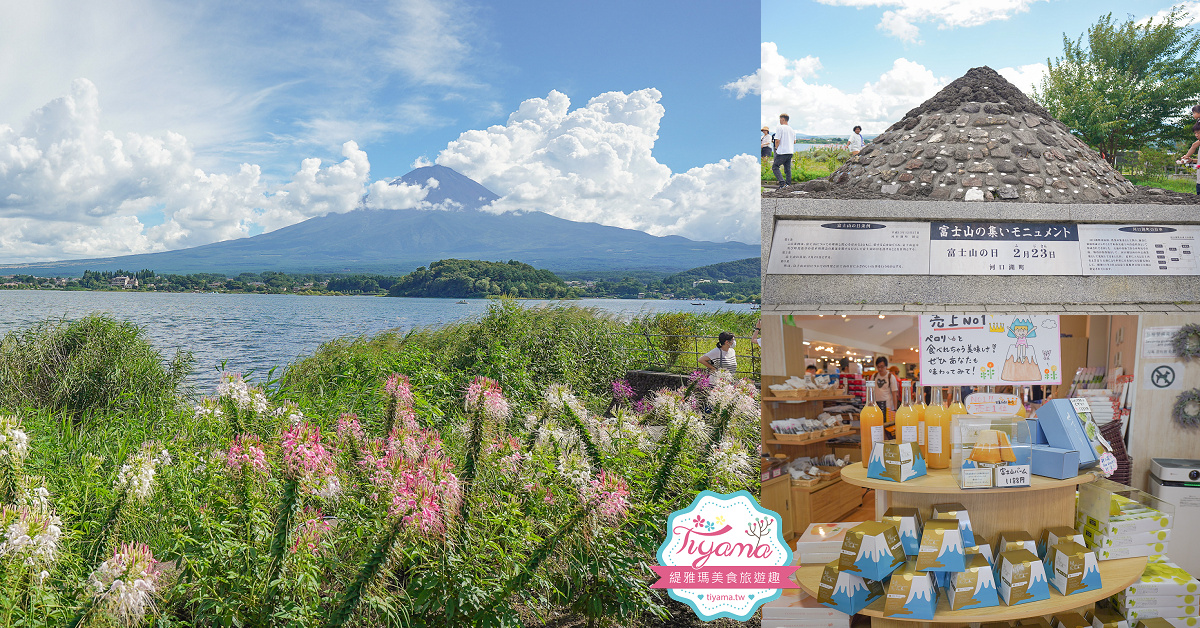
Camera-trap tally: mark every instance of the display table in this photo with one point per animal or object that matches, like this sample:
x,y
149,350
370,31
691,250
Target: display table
x,y
1046,503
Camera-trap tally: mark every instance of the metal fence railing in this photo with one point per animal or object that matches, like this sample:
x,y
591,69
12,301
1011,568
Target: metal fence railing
x,y
678,353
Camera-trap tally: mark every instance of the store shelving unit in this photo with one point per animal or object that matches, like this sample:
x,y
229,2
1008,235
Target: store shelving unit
x,y
802,505
1047,502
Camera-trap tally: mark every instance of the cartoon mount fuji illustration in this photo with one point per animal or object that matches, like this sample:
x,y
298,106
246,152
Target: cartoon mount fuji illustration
x,y
1091,577
985,592
1039,588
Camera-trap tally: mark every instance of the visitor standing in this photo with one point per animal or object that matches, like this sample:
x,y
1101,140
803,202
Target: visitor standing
x,y
766,142
785,145
723,357
856,142
1196,144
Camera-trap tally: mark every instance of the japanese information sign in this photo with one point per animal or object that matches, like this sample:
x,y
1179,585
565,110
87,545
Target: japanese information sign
x,y
981,248
989,350
809,247
1139,250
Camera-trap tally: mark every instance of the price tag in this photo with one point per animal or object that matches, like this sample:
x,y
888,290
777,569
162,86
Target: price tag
x,y
1012,475
1080,404
1108,463
976,478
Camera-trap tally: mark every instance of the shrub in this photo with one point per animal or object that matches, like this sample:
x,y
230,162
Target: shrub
x,y
86,365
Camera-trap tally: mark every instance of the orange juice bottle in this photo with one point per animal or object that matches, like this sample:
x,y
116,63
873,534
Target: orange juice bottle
x,y
906,416
919,406
937,437
870,422
956,403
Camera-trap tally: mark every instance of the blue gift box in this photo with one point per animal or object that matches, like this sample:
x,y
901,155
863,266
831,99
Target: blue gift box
x,y
1054,462
1063,429
1036,435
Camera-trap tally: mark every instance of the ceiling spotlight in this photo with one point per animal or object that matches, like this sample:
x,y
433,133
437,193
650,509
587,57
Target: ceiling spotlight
x,y
806,343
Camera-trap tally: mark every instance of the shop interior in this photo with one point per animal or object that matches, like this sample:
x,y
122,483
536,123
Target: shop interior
x,y
1115,361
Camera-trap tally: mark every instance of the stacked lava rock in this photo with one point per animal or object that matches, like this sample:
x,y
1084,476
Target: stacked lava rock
x,y
981,138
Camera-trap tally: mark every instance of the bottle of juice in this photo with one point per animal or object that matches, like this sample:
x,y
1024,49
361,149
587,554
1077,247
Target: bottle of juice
x,y
1021,394
937,437
956,403
906,416
919,406
870,422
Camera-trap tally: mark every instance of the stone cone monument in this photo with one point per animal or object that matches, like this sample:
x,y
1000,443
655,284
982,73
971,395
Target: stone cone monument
x,y
980,139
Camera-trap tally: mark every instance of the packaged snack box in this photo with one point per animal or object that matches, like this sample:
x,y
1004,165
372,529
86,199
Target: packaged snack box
x,y
1033,622
1074,569
1164,579
1179,622
872,550
1069,620
1015,539
1164,612
1022,578
1092,536
1057,534
1067,428
1128,551
973,588
846,592
897,462
982,548
956,511
911,594
908,523
941,547
1126,600
1113,509
1108,618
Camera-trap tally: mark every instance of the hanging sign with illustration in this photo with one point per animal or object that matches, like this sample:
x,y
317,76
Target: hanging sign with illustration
x,y
989,350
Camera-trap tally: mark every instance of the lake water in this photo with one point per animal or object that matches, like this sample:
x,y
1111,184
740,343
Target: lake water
x,y
253,332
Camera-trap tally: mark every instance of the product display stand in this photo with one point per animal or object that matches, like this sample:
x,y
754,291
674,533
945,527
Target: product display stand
x,y
1046,503
802,505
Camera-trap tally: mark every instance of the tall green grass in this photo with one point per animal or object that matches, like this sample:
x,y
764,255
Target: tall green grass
x,y
87,365
817,163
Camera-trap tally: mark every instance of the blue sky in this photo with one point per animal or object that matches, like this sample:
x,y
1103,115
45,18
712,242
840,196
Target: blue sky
x,y
847,62
148,125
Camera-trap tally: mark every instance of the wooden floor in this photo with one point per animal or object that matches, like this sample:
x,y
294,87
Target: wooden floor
x,y
866,512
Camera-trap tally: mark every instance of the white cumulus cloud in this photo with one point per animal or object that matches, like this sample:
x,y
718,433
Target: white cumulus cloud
x,y
791,86
70,189
1025,77
595,164
901,17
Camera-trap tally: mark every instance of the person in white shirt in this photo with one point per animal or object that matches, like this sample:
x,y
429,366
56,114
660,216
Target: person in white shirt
x,y
887,385
785,145
856,141
766,142
723,357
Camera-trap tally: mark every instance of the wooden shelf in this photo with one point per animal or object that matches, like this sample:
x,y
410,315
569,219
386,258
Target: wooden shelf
x,y
941,481
798,400
820,439
1114,574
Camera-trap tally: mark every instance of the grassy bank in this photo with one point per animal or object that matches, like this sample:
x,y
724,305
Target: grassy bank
x,y
445,499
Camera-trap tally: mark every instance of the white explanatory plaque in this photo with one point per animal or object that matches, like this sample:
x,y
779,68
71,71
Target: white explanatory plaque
x,y
812,247
1139,249
989,349
1001,248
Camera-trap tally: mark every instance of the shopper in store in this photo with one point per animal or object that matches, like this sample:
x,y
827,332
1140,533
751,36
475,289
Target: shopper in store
x,y
723,357
887,385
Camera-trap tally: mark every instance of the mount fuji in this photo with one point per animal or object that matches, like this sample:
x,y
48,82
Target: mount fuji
x,y
397,241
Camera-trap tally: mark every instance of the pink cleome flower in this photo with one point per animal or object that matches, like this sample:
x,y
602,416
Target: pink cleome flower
x,y
622,389
126,585
399,388
414,477
349,430
246,453
484,394
608,493
304,455
308,534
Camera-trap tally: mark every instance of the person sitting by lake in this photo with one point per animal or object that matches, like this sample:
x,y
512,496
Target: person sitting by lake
x,y
766,142
856,142
723,357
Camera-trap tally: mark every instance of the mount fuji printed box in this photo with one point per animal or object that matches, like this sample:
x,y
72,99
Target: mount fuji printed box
x,y
1070,619
1057,534
1074,569
1015,539
846,592
1105,617
957,511
973,588
908,522
872,550
896,462
911,594
941,547
1022,578
981,548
